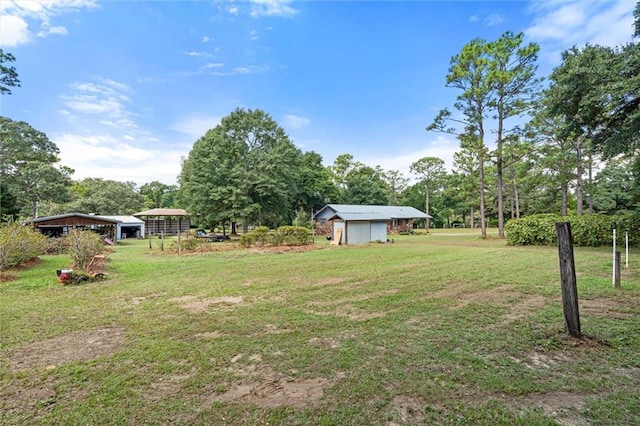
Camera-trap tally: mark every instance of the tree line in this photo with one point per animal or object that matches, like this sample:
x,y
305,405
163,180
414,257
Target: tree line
x,y
566,144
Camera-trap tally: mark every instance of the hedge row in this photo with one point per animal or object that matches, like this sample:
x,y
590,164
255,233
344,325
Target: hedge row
x,y
284,235
587,230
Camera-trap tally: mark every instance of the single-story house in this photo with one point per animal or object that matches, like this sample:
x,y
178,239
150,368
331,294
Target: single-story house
x,y
359,224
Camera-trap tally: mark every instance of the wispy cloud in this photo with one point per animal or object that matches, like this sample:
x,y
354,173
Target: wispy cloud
x,y
206,39
105,134
18,17
295,122
196,54
253,35
474,18
250,69
105,97
196,125
272,8
440,147
493,19
557,25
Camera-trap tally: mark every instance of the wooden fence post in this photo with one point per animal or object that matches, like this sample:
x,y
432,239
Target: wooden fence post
x,y
617,270
568,279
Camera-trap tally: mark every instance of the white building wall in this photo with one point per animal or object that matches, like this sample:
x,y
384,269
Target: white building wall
x,y
358,232
379,231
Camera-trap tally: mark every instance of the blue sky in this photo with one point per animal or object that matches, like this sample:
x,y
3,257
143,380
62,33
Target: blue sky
x,y
124,88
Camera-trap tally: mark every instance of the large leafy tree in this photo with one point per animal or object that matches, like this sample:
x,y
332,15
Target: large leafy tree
x,y
316,185
242,169
159,195
8,73
397,183
29,173
366,185
101,197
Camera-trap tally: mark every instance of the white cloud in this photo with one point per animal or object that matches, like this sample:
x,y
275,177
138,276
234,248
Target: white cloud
x,y
272,8
105,98
196,125
108,157
440,147
474,18
17,17
493,19
233,10
196,54
558,25
213,65
13,31
250,69
206,39
295,122
253,35
59,30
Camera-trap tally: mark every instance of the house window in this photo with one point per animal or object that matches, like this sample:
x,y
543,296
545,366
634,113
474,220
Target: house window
x,y
395,222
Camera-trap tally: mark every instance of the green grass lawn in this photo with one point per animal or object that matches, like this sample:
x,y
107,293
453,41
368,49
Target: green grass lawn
x,y
443,328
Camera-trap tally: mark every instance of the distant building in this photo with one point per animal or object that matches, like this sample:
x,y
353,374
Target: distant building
x,y
360,224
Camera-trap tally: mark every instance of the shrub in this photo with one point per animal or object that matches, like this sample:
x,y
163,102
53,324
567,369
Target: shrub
x,y
287,235
587,230
19,244
82,246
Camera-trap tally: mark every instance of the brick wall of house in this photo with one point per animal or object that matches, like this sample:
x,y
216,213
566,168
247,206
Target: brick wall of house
x,y
402,225
324,227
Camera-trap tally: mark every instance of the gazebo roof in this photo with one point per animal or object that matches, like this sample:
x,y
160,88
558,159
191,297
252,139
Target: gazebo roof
x,y
163,212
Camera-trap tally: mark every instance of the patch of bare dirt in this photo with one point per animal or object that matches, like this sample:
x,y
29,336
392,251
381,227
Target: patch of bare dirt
x,y
195,305
166,386
409,410
326,342
210,335
76,346
285,249
138,300
265,388
602,307
564,407
273,329
328,281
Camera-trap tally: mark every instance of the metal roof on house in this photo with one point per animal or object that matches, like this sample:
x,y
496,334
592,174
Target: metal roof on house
x,y
362,216
391,212
163,212
126,219
70,215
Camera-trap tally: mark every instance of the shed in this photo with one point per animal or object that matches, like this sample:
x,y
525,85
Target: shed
x,y
60,225
365,223
359,228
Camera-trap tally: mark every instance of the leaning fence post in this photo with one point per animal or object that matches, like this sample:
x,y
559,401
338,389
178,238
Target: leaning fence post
x,y
568,279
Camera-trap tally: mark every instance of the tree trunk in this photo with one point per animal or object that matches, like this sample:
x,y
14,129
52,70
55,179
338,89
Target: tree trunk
x,y
427,206
579,172
483,220
473,219
590,183
500,167
234,228
564,189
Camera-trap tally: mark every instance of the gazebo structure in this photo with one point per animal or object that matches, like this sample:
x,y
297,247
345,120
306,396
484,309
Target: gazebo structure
x,y
161,221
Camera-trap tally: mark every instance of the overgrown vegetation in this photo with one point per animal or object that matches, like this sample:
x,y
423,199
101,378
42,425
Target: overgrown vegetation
x,y
588,230
19,244
83,246
284,235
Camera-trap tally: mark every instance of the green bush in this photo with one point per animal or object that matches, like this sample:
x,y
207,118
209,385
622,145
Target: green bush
x,y
284,235
587,230
82,246
19,244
